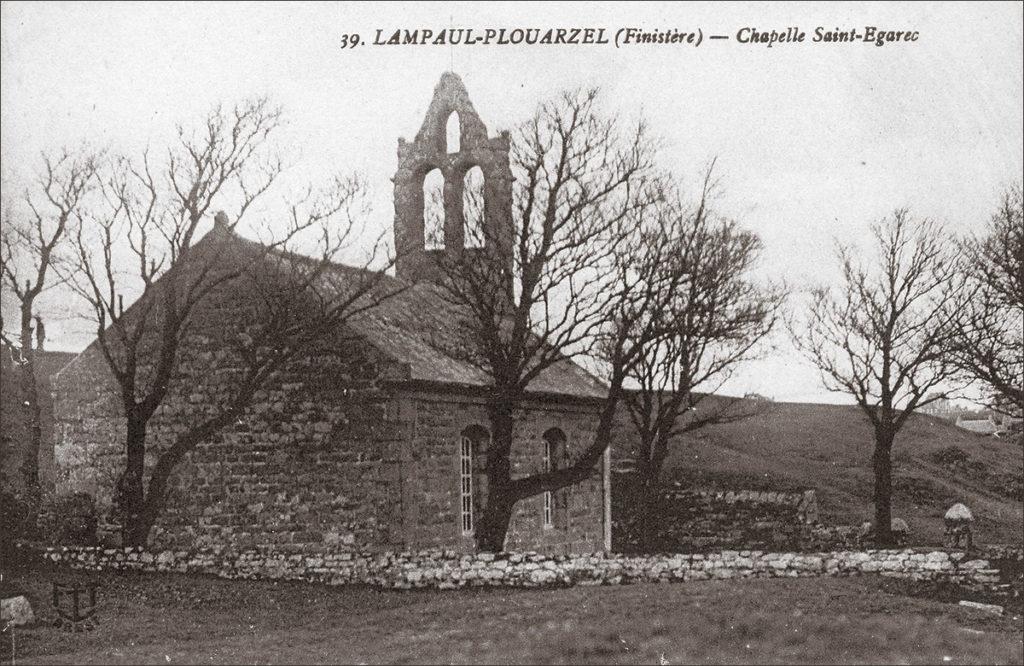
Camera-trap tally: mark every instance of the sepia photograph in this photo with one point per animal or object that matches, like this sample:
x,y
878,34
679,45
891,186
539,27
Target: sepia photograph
x,y
511,333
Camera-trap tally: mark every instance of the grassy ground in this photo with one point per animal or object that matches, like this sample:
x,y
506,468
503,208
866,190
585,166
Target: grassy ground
x,y
828,447
152,618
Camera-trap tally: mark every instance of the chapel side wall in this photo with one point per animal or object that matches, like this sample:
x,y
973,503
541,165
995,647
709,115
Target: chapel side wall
x,y
432,492
311,465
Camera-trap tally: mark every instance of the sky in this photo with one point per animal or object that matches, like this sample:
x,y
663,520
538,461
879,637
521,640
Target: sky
x,y
813,141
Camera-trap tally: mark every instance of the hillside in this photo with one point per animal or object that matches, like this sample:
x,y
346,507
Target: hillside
x,y
828,448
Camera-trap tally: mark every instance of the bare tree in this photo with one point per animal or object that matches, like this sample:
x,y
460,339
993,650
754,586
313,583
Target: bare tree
x,y
287,303
989,326
710,323
882,335
31,239
545,290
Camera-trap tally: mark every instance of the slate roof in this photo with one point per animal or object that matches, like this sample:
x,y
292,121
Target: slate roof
x,y
418,328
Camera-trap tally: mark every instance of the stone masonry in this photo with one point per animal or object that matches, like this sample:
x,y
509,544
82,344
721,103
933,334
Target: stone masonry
x,y
694,520
322,461
357,447
448,569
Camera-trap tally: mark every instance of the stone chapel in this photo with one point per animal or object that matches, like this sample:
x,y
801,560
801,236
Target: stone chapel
x,y
395,464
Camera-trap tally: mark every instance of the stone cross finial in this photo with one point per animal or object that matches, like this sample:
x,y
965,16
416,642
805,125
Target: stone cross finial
x,y
40,334
959,513
958,527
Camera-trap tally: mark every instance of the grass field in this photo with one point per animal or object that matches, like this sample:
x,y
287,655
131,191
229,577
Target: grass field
x,y
828,447
153,618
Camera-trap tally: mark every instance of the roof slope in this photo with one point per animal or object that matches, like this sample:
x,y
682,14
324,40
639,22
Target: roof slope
x,y
417,328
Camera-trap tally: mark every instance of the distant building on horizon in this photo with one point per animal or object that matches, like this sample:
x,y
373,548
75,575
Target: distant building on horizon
x,y
985,426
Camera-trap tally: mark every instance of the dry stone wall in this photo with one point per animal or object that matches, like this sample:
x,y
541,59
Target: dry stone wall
x,y
448,570
691,520
1002,552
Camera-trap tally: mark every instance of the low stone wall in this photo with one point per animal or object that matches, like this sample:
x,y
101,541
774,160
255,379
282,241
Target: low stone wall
x,y
1002,552
689,520
447,570
823,537
802,505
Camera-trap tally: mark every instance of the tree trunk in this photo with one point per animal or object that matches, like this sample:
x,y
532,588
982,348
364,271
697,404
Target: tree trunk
x,y
141,504
156,491
30,406
649,472
151,505
492,527
658,456
882,463
647,508
131,493
143,525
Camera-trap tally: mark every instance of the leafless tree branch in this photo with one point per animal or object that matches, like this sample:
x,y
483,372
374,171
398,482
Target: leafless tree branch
x,y
883,336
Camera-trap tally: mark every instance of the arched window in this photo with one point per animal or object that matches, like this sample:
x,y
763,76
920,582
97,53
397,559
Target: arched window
x,y
453,133
473,207
472,477
556,504
433,210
